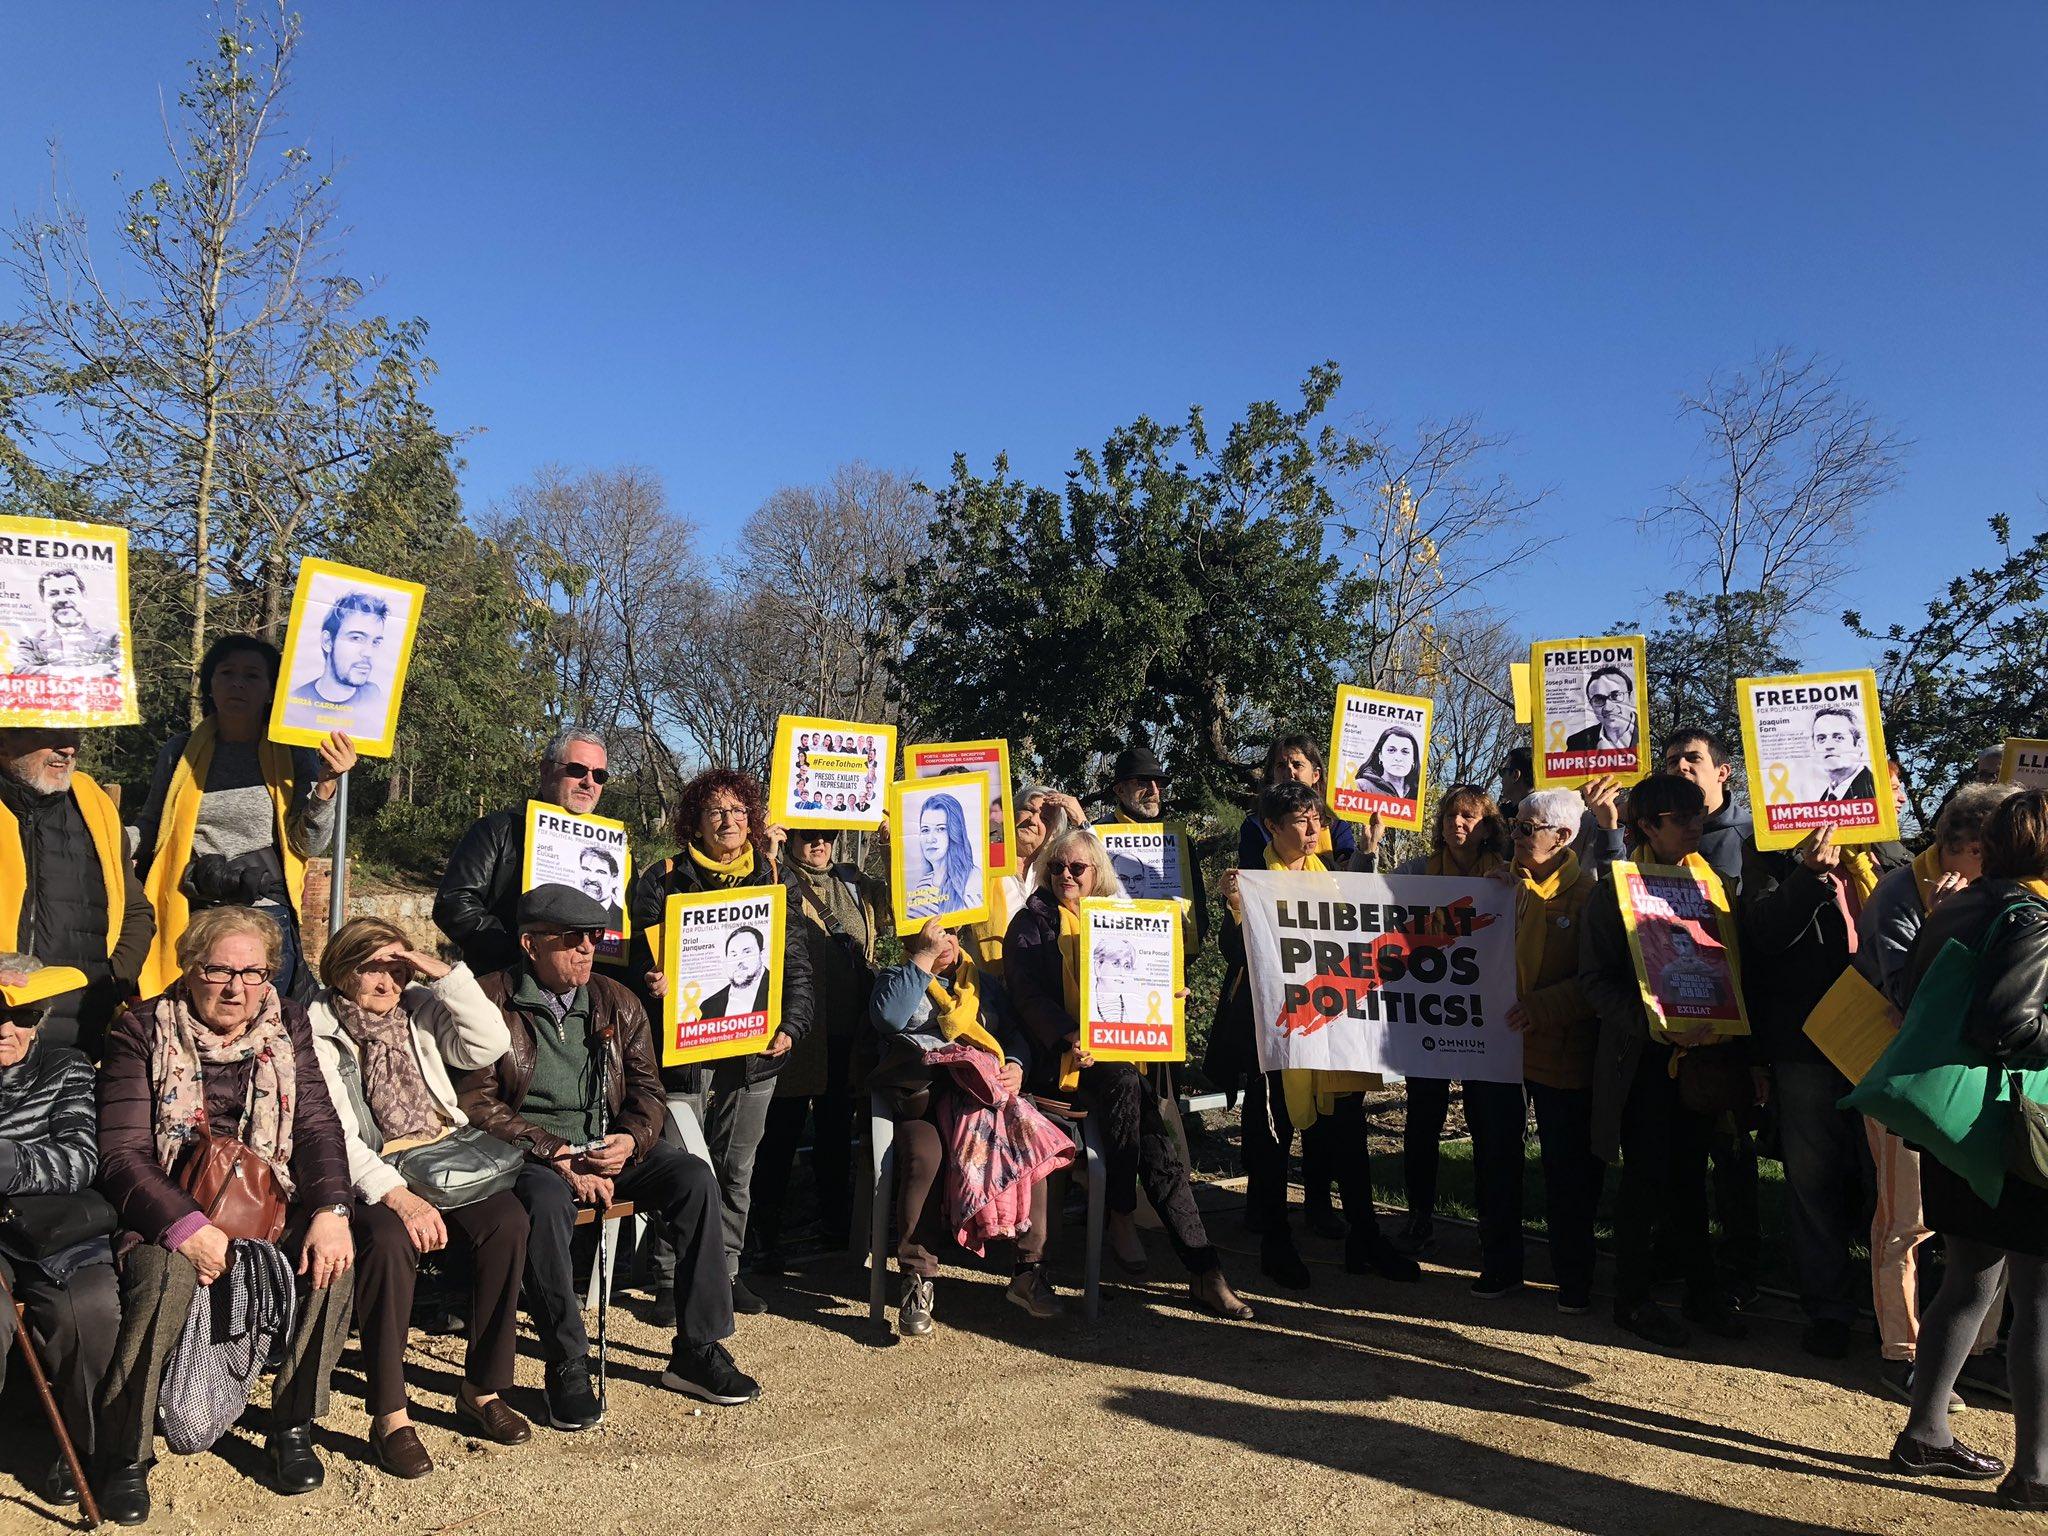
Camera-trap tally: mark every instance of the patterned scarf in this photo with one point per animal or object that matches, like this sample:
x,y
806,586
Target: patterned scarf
x,y
180,1050
395,1088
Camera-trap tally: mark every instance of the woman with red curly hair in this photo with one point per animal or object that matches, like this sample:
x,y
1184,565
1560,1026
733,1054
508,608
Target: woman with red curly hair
x,y
721,823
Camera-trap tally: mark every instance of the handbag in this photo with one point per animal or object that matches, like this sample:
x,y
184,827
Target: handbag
x,y
2026,1135
234,1189
467,1165
34,1227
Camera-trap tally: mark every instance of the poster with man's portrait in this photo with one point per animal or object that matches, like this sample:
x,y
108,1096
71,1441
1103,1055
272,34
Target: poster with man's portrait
x,y
1379,756
1151,863
938,850
1130,959
1814,749
590,854
830,773
1681,938
720,958
346,651
66,653
1589,700
2024,762
990,759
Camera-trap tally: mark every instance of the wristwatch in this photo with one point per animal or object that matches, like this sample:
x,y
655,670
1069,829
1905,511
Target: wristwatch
x,y
333,1210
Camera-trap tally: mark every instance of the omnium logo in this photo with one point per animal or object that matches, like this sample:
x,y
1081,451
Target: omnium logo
x,y
1465,1044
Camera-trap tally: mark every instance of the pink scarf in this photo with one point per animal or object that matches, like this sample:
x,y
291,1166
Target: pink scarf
x,y
998,1146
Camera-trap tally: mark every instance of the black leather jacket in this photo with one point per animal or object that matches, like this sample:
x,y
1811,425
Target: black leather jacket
x,y
478,904
49,1131
2009,1009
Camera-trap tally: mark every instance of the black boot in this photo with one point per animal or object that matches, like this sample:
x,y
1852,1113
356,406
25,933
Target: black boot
x,y
1280,1261
124,1492
293,1465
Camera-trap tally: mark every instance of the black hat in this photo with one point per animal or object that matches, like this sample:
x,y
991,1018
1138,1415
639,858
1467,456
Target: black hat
x,y
560,906
1138,763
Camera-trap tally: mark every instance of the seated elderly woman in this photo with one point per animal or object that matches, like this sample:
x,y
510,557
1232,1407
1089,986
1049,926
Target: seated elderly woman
x,y
1042,966
220,1055
390,1027
58,1266
942,1061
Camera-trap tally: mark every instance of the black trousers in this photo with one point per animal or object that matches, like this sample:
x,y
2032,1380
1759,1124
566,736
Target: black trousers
x,y
73,1324
1497,1115
1422,1138
1136,1146
1663,1180
675,1188
1268,1133
831,1116
1572,1177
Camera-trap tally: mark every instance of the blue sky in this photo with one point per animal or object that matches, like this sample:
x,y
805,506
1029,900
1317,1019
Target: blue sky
x,y
742,246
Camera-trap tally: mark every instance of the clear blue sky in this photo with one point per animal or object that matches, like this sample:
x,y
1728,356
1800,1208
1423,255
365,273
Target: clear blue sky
x,y
744,246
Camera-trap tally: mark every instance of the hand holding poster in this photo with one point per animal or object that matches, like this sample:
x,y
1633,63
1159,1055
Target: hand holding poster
x,y
1150,860
1814,745
1681,936
937,850
1131,1008
1379,754
990,759
830,773
719,955
2024,762
346,651
1591,704
66,657
1406,974
588,853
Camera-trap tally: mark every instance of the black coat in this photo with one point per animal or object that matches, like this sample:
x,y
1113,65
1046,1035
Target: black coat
x,y
478,903
49,1132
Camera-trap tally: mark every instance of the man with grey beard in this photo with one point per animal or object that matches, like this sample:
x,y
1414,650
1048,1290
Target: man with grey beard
x,y
68,892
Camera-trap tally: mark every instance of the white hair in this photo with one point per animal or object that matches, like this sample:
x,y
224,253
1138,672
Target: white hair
x,y
562,741
1561,808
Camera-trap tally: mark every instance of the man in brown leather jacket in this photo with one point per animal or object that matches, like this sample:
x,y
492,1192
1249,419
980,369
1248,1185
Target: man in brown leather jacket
x,y
586,1149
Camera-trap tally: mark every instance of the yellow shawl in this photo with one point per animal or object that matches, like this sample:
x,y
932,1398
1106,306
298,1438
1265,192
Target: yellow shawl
x,y
1529,926
1070,989
173,851
1309,1093
957,1009
731,872
1927,873
103,821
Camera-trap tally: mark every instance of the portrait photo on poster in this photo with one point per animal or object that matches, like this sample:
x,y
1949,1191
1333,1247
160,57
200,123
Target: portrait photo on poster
x,y
347,649
1130,980
1379,751
65,651
1147,858
1814,745
830,773
1589,696
591,854
1679,939
724,991
938,843
990,759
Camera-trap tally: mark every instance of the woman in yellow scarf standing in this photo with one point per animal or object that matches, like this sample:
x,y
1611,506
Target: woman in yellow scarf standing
x,y
232,817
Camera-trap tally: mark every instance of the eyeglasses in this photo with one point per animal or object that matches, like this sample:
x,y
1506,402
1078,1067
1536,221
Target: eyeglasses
x,y
1147,778
1077,870
724,813
597,776
248,976
1599,699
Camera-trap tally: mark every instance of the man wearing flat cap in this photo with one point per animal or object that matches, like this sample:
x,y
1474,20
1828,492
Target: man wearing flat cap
x,y
1139,782
580,1092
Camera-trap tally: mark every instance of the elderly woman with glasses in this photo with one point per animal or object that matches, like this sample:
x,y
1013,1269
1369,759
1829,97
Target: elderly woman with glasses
x,y
220,1053
1043,966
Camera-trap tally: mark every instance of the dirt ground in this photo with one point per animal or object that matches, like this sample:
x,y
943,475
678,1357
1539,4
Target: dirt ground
x,y
1356,1406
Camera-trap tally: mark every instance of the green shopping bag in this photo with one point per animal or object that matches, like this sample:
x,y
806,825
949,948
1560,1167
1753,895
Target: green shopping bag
x,y
1938,1091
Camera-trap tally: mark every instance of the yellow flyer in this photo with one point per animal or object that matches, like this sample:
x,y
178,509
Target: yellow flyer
x,y
937,852
1589,702
590,853
1379,756
1852,1024
346,652
2025,762
67,651
1814,746
1518,684
721,953
830,773
990,759
1130,958
1681,936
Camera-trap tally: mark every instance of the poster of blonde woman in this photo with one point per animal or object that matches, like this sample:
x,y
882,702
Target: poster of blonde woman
x,y
65,653
1814,747
1379,752
990,759
938,850
346,651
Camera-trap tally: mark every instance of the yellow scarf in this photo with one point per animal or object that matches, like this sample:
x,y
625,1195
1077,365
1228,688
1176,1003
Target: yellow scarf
x,y
1314,866
1529,924
1311,1094
1860,872
1070,989
2038,887
732,871
178,826
1927,873
103,821
1445,862
958,1008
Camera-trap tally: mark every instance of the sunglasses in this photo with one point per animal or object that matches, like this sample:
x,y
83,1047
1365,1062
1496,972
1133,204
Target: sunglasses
x,y
814,837
597,776
1075,871
576,938
1531,828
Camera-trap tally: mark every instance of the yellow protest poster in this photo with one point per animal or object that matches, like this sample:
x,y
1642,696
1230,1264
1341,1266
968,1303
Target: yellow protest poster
x,y
2025,762
1681,936
721,954
990,759
346,652
1131,967
67,651
937,851
830,773
591,854
1852,1024
1589,705
1815,754
1379,756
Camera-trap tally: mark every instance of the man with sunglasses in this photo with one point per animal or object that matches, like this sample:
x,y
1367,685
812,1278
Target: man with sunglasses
x,y
478,903
573,1033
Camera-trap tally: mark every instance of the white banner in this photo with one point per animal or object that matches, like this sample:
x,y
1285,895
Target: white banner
x,y
1406,975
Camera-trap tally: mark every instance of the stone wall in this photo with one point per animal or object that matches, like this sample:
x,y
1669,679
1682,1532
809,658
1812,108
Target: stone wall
x,y
411,911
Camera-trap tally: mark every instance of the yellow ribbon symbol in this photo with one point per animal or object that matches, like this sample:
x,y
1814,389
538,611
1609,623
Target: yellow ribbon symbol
x,y
1780,790
693,993
1557,736
1152,1009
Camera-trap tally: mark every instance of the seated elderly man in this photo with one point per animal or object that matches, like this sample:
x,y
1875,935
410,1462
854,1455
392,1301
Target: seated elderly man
x,y
60,1268
590,1124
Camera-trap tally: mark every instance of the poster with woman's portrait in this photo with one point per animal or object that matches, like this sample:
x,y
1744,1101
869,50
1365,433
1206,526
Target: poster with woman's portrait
x,y
66,656
1131,967
346,652
1590,705
1681,938
830,773
590,853
990,759
937,850
1379,756
1813,746
719,952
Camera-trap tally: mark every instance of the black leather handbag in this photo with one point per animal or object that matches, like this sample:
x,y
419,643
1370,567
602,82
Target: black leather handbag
x,y
35,1227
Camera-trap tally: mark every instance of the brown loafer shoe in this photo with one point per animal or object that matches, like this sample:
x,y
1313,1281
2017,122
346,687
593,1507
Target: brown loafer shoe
x,y
1952,1460
1212,1293
400,1452
492,1421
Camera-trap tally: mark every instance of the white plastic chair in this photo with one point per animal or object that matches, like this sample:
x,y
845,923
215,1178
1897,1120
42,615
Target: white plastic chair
x,y
683,1116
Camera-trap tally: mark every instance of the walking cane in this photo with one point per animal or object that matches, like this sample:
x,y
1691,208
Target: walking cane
x,y
604,1275
87,1503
